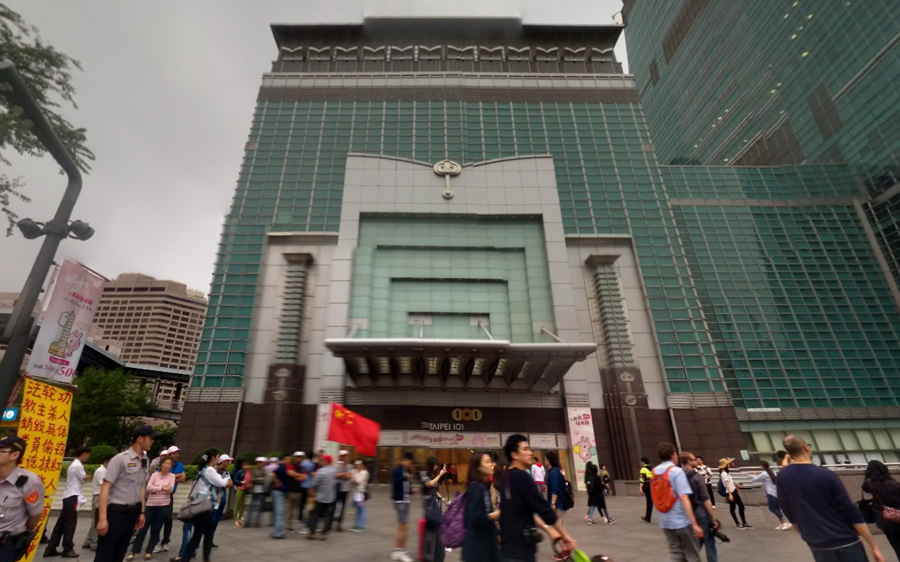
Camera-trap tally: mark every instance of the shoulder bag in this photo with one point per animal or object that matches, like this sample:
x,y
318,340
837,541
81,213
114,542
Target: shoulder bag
x,y
196,506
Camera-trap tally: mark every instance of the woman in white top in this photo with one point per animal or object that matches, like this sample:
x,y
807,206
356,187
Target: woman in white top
x,y
768,478
733,490
360,482
209,484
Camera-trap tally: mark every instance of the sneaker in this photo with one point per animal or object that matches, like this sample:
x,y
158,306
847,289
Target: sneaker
x,y
786,526
611,522
780,527
747,526
165,547
645,519
400,556
740,526
130,557
304,531
159,548
148,556
51,552
590,521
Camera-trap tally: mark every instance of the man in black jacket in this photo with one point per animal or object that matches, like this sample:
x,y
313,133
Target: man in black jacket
x,y
522,507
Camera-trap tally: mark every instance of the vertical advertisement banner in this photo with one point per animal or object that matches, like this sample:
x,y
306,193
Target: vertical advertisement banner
x,y
44,425
582,443
67,320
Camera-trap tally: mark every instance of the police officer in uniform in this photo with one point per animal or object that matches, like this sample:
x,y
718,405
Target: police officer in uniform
x,y
122,497
21,501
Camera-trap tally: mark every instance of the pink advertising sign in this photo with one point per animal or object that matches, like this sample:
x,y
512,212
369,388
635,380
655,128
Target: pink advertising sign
x,y
67,320
583,444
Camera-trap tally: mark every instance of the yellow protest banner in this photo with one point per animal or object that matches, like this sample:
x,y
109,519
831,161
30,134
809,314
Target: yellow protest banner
x,y
44,425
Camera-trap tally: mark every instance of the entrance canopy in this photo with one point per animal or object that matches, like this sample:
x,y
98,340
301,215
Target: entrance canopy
x,y
458,364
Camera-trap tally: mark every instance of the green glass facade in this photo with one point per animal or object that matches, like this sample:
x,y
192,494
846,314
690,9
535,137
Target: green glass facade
x,y
607,178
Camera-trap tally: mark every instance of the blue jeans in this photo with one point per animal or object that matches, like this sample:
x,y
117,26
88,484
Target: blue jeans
x,y
257,505
709,541
278,498
773,507
602,510
360,520
852,553
185,537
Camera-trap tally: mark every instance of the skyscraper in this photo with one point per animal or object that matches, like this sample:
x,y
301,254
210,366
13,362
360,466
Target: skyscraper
x,y
796,259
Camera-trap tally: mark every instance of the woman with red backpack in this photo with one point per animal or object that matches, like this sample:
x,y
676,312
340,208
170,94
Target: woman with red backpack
x,y
480,544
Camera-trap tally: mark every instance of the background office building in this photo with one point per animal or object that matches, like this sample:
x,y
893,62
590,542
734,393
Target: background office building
x,y
778,129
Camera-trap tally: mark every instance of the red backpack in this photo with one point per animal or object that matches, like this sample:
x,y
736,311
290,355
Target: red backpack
x,y
661,491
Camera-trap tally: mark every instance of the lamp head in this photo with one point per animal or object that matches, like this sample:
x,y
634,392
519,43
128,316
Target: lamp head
x,y
30,229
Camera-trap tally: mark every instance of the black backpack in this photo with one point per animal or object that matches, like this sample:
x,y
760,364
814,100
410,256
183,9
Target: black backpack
x,y
568,498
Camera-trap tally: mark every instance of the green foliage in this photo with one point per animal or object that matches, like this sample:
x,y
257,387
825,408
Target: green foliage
x,y
277,454
98,452
190,472
167,439
47,74
107,407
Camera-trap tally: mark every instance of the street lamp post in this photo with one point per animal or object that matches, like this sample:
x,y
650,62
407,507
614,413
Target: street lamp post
x,y
21,103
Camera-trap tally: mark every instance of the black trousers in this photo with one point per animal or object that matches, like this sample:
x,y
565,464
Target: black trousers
x,y
112,546
167,521
65,526
324,511
203,529
342,505
304,497
739,504
7,553
712,496
649,501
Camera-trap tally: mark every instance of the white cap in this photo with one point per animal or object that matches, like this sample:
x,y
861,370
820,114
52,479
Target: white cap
x,y
164,452
299,454
358,462
224,458
343,452
261,459
273,459
172,449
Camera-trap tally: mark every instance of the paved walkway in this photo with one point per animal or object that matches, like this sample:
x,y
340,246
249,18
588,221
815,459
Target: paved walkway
x,y
630,539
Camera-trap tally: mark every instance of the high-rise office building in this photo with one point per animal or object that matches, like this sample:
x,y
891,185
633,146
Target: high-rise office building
x,y
795,260
459,229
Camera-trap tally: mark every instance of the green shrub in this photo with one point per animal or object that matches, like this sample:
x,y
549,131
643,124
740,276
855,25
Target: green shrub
x,y
99,452
277,454
249,456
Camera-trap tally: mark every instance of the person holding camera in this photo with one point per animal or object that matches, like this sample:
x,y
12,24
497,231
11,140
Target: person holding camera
x,y
523,511
702,504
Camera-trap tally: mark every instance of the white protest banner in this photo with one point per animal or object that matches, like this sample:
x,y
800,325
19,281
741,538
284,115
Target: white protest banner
x,y
67,321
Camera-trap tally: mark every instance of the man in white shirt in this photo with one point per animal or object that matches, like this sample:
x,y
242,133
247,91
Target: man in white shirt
x,y
91,540
68,517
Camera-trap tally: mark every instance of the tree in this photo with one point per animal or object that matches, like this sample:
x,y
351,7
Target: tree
x,y
47,73
107,407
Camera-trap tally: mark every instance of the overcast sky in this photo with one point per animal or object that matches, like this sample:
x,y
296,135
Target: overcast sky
x,y
167,96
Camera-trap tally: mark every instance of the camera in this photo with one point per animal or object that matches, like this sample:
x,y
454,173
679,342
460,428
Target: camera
x,y
532,535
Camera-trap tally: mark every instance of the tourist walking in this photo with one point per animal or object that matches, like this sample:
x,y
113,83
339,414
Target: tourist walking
x,y
701,503
401,493
432,549
480,543
294,494
708,476
279,490
122,496
768,478
735,503
209,483
258,477
174,453
596,497
159,494
240,477
64,530
360,482
306,468
520,502
645,476
539,473
606,479
814,499
343,474
221,503
886,501
678,522
556,486
325,485
90,540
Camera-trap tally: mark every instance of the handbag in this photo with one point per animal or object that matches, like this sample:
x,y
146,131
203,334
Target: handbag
x,y
890,515
865,508
195,506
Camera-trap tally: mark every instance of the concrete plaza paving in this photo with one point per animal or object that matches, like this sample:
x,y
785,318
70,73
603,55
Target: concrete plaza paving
x,y
630,539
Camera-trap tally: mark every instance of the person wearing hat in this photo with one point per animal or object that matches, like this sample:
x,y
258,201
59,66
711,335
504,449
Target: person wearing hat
x,y
325,484
295,479
173,453
257,491
64,529
154,464
122,497
733,491
344,475
23,500
219,510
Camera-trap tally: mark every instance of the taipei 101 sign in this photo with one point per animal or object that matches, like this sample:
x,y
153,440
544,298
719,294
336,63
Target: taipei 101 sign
x,y
66,323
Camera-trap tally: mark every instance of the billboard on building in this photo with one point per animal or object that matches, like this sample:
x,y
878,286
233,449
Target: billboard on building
x,y
67,320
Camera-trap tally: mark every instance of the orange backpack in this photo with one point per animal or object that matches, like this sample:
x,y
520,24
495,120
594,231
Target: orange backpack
x,y
661,491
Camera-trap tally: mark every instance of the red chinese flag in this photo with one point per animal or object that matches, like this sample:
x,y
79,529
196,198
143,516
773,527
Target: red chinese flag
x,y
352,429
